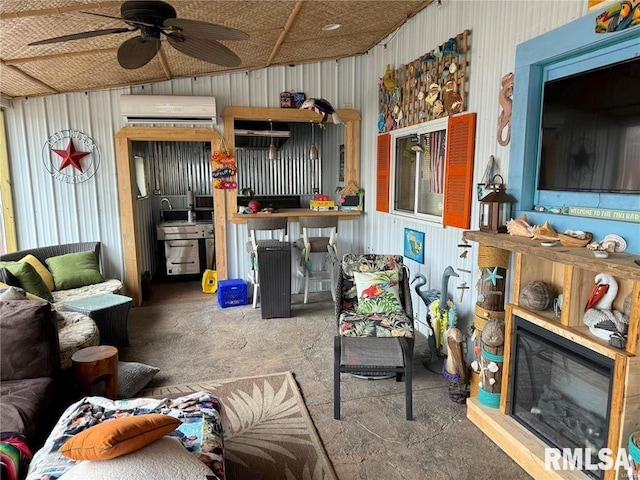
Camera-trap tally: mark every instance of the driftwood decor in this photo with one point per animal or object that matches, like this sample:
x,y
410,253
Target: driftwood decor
x,y
431,86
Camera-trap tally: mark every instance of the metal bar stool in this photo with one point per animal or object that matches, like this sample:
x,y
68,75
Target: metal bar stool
x,y
277,227
307,244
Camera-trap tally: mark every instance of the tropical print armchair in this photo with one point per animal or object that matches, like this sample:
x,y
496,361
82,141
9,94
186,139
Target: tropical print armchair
x,y
361,317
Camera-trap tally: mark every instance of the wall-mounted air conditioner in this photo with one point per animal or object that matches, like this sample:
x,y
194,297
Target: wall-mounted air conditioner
x,y
168,109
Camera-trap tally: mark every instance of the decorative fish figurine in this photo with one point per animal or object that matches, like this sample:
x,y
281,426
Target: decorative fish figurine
x,y
451,46
322,107
389,78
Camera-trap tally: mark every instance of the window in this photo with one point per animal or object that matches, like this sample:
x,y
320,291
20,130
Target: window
x,y
418,155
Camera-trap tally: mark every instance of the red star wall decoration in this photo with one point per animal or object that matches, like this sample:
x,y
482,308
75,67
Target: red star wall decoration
x,y
70,156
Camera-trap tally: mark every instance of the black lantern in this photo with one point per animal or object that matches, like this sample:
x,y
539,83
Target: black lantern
x,y
496,208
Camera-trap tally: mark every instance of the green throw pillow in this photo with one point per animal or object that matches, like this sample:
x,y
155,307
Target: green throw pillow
x,y
29,279
74,270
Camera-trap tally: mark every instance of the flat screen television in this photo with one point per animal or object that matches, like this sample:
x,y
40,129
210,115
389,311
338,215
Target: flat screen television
x,y
591,131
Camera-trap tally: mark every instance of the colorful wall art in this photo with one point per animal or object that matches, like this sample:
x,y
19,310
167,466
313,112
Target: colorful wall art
x,y
431,86
414,245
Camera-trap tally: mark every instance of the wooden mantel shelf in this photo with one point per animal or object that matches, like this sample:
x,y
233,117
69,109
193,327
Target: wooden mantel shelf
x,y
568,271
618,264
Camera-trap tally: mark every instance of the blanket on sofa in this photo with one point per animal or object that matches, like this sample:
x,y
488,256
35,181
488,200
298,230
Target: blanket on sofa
x,y
200,433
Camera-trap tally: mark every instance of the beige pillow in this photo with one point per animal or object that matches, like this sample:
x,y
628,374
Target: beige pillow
x,y
164,459
41,269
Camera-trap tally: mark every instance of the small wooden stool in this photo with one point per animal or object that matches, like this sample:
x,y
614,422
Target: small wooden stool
x,y
93,363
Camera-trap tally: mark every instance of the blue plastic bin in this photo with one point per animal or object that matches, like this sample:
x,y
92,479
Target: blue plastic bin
x,y
232,293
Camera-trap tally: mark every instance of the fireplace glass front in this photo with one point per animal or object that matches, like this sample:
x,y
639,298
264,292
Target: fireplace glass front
x,y
560,391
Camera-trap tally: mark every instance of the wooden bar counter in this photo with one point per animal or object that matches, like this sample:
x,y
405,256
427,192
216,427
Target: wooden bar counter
x,y
293,214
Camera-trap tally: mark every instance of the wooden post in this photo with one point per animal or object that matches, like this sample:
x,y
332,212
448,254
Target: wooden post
x,y
492,264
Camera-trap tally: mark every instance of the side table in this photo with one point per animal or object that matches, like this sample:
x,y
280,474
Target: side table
x,y
93,363
110,312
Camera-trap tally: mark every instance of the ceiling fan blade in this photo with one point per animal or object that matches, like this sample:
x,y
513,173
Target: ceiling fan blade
x,y
137,22
207,50
137,52
208,31
77,36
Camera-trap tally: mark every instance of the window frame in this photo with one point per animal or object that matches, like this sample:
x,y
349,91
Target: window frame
x,y
438,124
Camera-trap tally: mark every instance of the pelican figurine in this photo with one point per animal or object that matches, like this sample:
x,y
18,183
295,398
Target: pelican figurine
x,y
444,290
602,320
454,368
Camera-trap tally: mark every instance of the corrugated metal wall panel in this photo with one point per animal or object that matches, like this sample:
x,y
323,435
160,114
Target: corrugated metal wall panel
x,y
146,228
49,212
496,28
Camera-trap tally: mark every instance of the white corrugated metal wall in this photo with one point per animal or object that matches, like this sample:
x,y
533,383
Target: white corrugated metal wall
x,y
50,212
496,28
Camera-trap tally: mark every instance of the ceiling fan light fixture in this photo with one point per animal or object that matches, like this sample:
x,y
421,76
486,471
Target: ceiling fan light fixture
x,y
272,154
313,150
331,26
273,151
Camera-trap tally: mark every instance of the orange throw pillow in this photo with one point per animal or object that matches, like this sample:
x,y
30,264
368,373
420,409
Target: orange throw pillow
x,y
119,436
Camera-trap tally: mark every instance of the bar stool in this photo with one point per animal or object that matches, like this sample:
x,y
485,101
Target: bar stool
x,y
277,226
325,243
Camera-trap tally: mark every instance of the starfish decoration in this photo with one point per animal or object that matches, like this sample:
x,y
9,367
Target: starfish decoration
x,y
581,158
71,157
493,276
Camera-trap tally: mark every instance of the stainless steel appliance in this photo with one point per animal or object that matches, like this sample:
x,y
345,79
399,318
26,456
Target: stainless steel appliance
x,y
188,247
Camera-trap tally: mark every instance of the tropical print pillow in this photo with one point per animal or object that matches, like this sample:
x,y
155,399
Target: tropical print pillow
x,y
378,292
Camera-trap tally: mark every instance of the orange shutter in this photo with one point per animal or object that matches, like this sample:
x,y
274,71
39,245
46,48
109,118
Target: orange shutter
x,y
383,172
461,134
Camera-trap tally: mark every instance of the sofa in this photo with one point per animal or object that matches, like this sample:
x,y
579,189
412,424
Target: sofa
x,y
30,397
75,330
34,420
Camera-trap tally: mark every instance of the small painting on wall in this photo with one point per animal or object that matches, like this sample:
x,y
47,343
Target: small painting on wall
x,y
414,245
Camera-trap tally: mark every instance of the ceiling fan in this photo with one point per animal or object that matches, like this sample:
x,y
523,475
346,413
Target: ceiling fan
x,y
154,18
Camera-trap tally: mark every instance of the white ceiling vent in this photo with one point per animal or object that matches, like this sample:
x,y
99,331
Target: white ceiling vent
x,y
168,110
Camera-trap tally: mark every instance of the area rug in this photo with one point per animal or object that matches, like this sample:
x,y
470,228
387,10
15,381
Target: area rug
x,y
270,433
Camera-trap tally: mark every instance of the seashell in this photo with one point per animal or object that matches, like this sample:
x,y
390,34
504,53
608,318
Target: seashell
x,y
453,68
438,108
492,381
493,367
519,227
450,86
475,366
432,98
544,232
576,234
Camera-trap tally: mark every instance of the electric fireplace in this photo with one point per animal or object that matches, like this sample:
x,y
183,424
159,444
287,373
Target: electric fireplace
x,y
560,391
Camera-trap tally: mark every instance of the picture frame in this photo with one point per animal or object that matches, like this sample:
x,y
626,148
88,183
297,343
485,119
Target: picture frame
x,y
414,245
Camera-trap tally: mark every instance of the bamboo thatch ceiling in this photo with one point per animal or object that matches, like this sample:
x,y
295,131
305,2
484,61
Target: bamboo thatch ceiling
x,y
281,32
